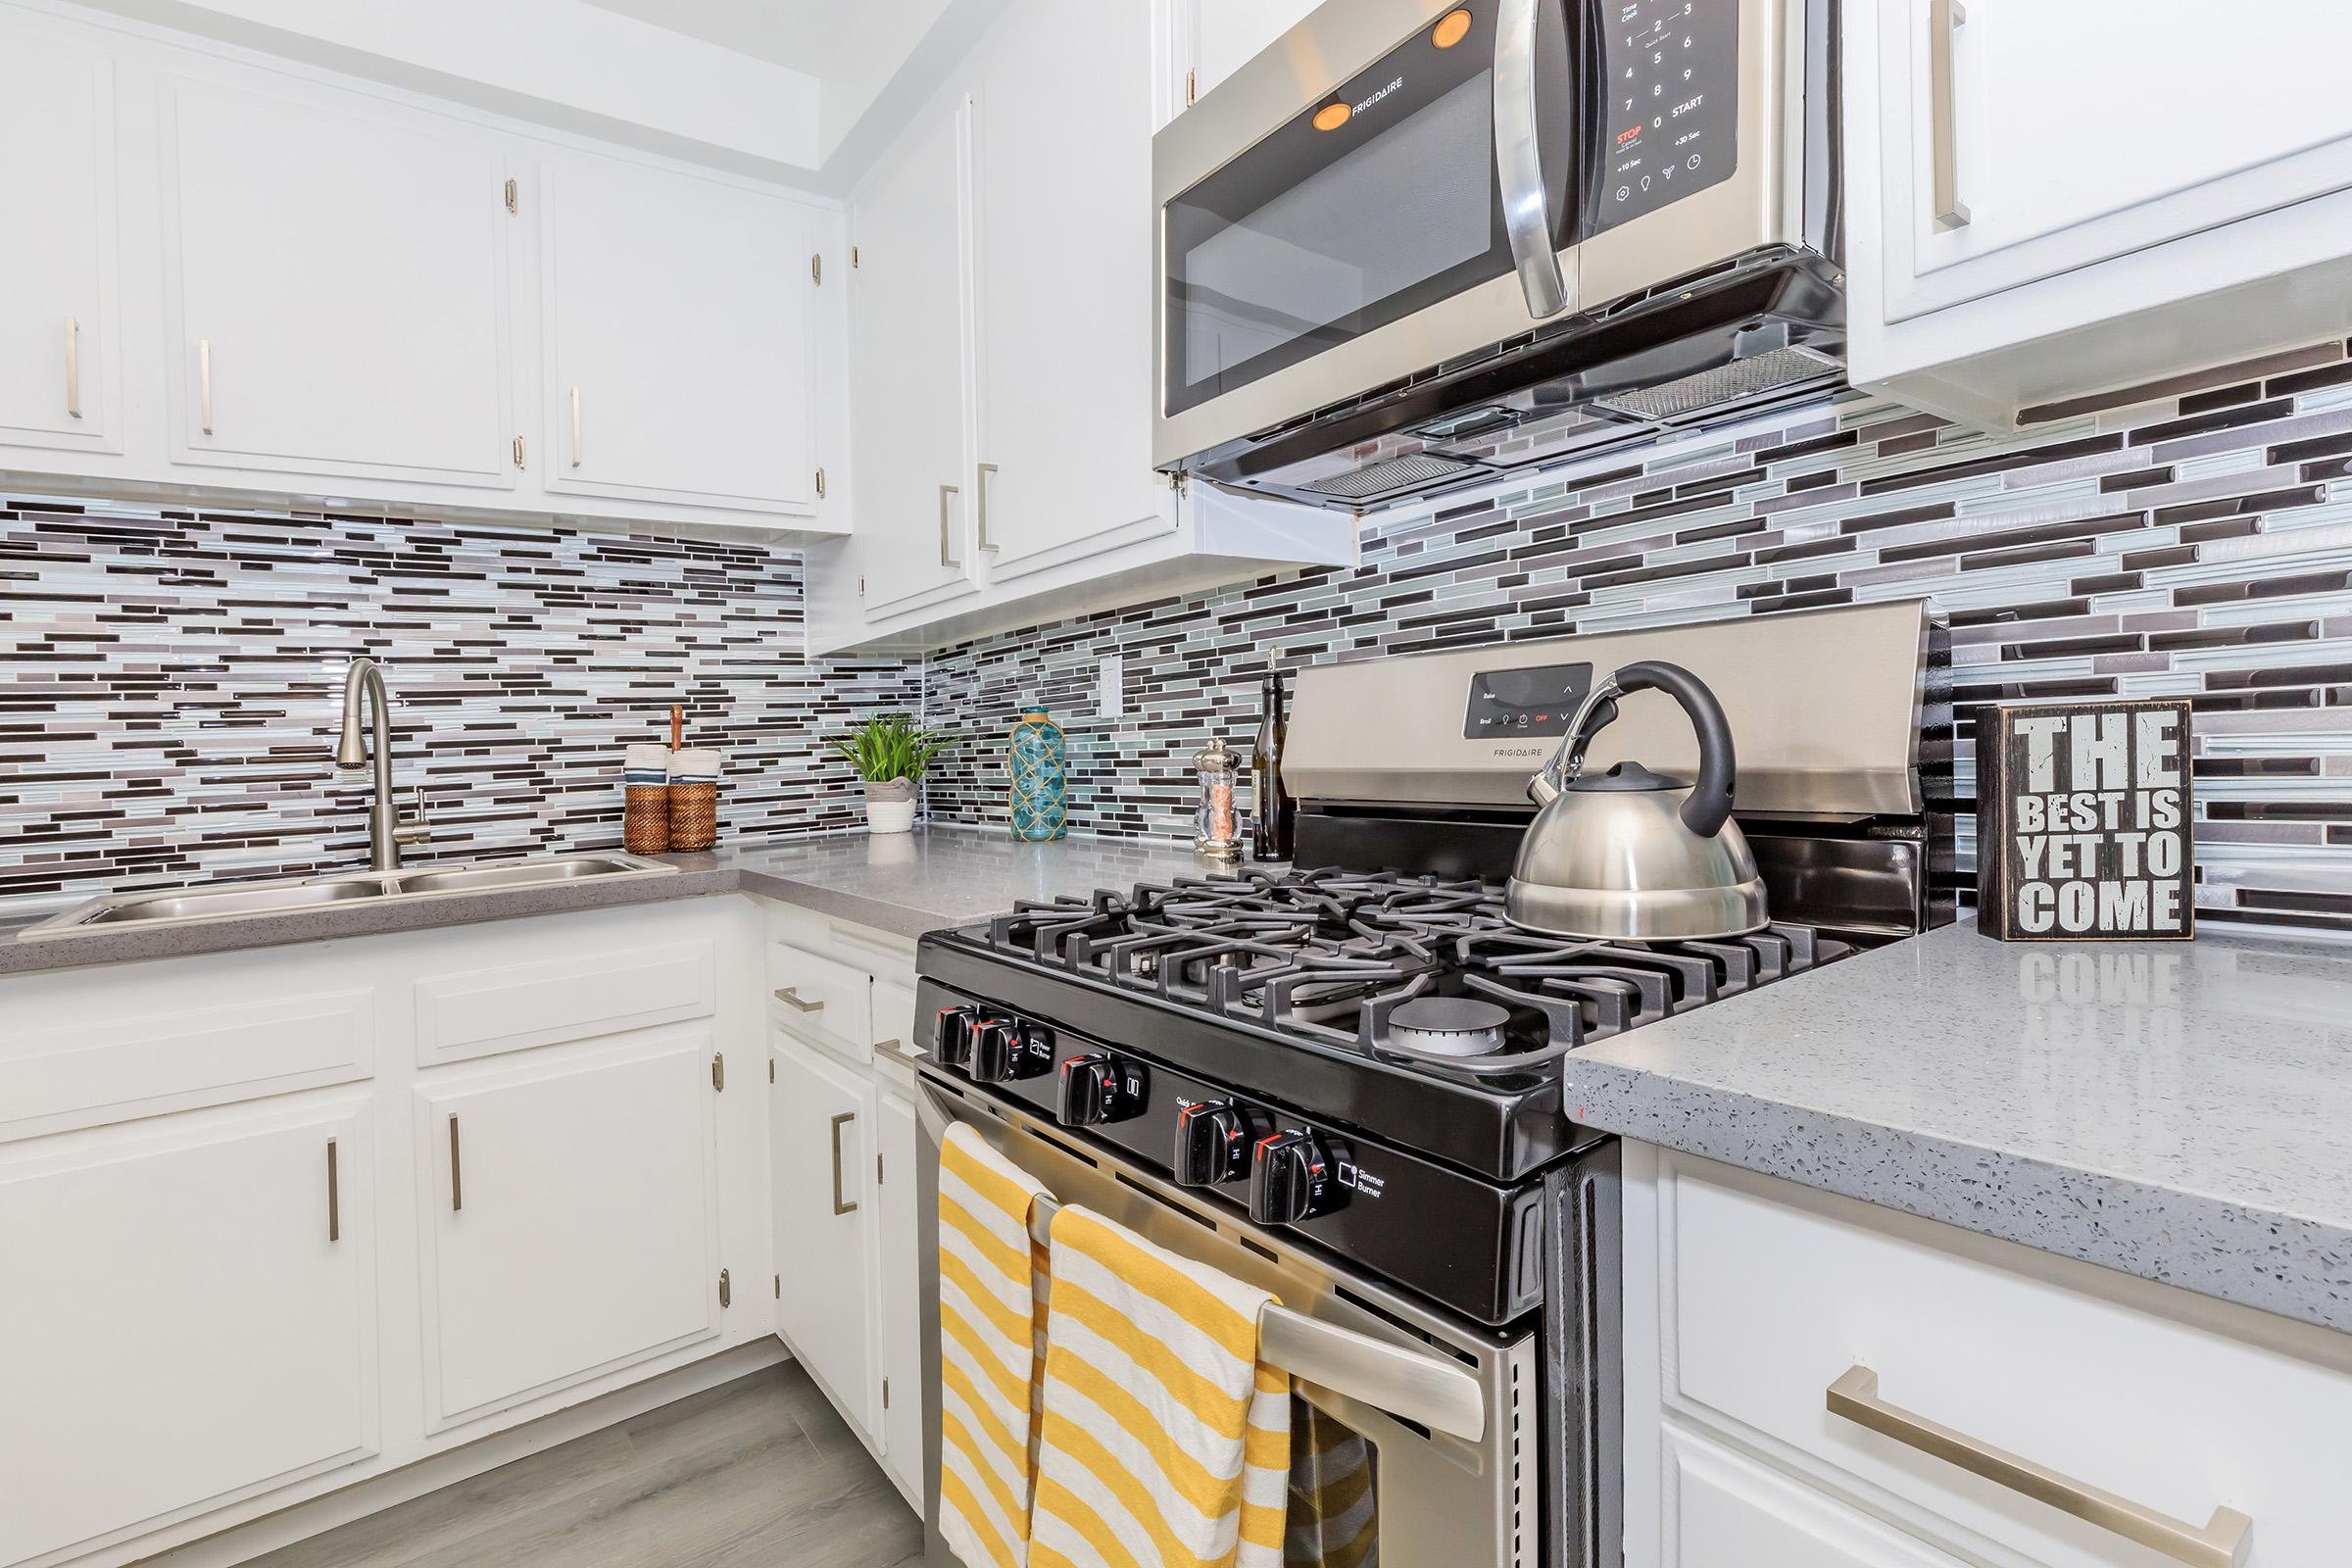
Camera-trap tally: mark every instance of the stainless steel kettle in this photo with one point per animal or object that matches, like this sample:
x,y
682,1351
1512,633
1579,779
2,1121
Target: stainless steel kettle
x,y
1629,855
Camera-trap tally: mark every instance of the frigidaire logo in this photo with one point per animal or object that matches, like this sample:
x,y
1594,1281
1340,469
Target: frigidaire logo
x,y
1518,751
1378,96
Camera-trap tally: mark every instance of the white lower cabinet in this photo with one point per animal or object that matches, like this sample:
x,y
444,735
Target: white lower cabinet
x,y
187,1306
2125,1407
820,1141
568,1218
900,1273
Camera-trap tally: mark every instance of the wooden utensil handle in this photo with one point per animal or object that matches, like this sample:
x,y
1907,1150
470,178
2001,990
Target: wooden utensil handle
x,y
677,726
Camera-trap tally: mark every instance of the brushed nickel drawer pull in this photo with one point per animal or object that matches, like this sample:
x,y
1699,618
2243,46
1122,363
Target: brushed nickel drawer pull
x,y
945,558
334,1197
839,1206
1944,18
980,491
204,383
890,1045
73,368
2219,1543
457,1178
791,998
575,426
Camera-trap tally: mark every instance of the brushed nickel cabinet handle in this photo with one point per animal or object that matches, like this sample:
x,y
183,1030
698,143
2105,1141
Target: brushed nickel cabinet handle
x,y
791,998
839,1206
73,368
945,558
980,491
1944,18
457,1176
204,383
575,426
2219,1543
334,1197
890,1045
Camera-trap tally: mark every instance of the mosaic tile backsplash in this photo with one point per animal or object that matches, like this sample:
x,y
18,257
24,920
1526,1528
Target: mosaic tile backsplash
x,y
2188,538
170,687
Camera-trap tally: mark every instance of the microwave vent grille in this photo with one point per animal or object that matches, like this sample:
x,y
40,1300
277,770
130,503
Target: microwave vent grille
x,y
1736,382
1379,478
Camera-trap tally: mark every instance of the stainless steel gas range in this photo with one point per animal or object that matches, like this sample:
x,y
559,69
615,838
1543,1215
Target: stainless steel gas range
x,y
1343,1080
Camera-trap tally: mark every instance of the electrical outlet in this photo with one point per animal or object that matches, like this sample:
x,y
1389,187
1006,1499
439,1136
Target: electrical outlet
x,y
1110,686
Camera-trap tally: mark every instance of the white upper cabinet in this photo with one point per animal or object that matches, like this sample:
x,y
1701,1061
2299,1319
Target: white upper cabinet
x,y
190,1316
1066,257
676,314
337,286
910,340
58,301
1214,38
2044,199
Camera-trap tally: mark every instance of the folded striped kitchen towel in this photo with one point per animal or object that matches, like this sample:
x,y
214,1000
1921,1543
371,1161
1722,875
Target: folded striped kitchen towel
x,y
1165,1439
645,764
991,1327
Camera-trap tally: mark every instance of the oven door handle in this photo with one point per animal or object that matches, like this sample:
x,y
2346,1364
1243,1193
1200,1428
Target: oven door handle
x,y
1408,1384
1519,161
1390,1378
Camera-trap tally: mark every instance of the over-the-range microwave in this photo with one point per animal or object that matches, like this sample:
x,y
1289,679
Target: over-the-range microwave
x,y
1414,245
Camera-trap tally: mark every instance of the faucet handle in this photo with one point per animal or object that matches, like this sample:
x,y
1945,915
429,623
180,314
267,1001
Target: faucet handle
x,y
416,828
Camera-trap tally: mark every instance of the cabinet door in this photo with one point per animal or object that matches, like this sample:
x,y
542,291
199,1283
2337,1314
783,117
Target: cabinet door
x,y
57,277
897,1237
2083,131
188,1315
1065,287
1726,1511
910,370
820,1130
570,1219
338,273
1227,34
678,326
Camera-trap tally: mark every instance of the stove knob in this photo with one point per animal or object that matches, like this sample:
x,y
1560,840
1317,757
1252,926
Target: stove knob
x,y
952,1035
1005,1049
1098,1088
1212,1143
1291,1179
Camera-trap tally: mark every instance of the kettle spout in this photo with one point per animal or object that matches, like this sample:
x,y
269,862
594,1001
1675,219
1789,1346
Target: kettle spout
x,y
1542,790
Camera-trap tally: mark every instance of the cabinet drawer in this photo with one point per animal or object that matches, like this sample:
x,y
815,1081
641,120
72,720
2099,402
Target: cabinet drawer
x,y
83,1073
1770,1293
893,1026
820,999
480,1013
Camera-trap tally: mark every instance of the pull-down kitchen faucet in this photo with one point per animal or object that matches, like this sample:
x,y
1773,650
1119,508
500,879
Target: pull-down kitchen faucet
x,y
363,685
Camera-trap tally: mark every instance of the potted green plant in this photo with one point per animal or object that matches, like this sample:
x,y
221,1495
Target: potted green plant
x,y
891,753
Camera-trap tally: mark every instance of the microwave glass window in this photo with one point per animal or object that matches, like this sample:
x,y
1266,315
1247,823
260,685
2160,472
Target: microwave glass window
x,y
1364,206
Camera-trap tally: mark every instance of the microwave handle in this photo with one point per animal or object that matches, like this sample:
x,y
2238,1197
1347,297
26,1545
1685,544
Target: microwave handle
x,y
1519,162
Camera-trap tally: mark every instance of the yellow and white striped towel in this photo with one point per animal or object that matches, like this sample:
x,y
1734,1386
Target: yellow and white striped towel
x,y
991,1324
1165,1441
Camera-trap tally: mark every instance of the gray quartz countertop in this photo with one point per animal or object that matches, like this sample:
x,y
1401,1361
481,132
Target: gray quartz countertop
x,y
2180,1112
905,883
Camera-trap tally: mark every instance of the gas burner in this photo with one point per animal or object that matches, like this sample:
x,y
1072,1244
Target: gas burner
x,y
1449,1026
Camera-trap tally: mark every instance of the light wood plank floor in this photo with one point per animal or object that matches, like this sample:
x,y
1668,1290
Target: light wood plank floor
x,y
757,1473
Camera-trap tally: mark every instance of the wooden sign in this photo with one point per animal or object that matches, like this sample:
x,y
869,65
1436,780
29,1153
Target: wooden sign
x,y
2084,822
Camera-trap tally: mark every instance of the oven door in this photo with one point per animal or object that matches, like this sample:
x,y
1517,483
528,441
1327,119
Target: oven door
x,y
1373,1466
1392,186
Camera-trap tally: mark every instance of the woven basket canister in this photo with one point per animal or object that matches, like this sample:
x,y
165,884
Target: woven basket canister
x,y
693,816
645,819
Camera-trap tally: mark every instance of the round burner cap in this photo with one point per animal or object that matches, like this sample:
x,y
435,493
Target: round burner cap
x,y
1449,1026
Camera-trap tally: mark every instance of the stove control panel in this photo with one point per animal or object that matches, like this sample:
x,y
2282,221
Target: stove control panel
x,y
1097,1089
1213,1139
1005,1049
1292,1177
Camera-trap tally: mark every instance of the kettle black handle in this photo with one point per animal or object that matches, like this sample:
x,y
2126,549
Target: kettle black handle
x,y
1710,804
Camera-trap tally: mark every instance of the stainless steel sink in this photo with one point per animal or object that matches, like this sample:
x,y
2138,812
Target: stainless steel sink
x,y
522,874
250,900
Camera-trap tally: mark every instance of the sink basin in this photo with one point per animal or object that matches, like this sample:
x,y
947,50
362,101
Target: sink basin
x,y
248,900
523,873
198,903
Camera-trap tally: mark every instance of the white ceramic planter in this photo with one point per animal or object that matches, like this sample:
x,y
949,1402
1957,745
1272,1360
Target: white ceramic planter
x,y
890,807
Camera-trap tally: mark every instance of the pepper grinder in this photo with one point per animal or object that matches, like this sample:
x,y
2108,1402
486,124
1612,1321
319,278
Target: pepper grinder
x,y
1217,820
